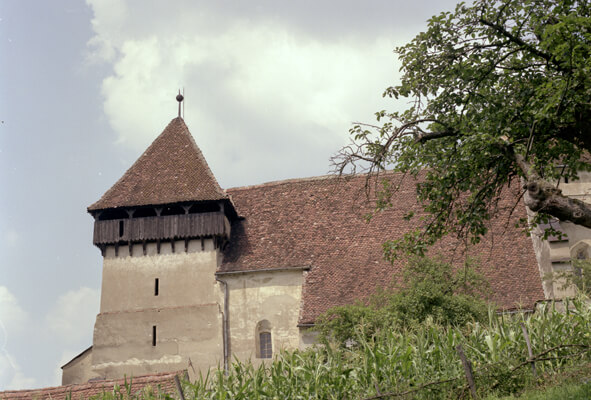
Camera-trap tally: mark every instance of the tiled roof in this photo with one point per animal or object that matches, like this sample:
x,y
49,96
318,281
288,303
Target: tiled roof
x,y
159,383
320,222
171,170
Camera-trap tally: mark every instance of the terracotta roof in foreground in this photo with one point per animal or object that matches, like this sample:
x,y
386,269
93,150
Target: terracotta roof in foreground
x,y
321,222
159,383
171,170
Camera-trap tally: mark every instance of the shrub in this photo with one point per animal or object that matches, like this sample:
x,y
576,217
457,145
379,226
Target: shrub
x,y
431,289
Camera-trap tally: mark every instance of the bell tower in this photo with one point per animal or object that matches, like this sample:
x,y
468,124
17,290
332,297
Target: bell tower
x,y
160,229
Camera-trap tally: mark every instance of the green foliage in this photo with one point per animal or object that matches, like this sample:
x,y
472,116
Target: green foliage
x,y
420,363
431,290
580,390
423,362
497,90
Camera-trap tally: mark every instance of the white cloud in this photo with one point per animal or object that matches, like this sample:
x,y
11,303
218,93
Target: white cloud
x,y
13,323
11,375
262,91
12,317
72,317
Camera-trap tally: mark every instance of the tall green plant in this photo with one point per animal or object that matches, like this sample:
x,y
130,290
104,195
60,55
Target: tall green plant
x,y
421,362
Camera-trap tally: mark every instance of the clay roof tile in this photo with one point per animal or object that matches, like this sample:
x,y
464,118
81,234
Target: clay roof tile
x,y
321,222
171,170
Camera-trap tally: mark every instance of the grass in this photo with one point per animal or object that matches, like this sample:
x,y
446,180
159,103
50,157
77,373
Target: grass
x,y
570,385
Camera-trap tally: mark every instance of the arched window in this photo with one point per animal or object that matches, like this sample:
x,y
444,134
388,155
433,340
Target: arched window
x,y
264,340
580,252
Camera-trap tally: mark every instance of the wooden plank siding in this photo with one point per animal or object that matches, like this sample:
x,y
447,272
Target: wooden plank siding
x,y
163,228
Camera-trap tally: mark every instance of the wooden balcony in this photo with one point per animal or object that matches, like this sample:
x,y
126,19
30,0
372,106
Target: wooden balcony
x,y
161,228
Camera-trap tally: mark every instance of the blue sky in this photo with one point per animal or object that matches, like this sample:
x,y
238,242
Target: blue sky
x,y
271,90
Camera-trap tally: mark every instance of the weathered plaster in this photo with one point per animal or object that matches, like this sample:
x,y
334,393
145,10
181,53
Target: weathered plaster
x,y
187,311
79,369
554,257
274,296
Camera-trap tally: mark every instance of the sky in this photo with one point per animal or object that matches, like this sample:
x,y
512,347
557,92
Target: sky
x,y
271,90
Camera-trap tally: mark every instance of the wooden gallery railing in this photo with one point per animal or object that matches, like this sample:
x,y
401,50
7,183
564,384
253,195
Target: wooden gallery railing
x,y
161,228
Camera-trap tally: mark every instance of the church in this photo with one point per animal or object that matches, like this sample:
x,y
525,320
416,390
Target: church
x,y
195,276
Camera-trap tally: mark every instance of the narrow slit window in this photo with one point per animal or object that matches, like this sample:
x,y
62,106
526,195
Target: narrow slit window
x,y
121,228
154,335
156,287
266,348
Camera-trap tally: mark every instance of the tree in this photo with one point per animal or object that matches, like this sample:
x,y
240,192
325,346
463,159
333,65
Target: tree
x,y
500,94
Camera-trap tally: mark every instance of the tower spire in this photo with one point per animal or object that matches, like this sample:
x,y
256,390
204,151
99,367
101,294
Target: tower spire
x,y
179,98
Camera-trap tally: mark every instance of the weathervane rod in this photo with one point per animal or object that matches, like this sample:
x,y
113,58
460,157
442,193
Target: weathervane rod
x,y
179,98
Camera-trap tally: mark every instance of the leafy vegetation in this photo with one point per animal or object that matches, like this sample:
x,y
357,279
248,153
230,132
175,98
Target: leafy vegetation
x,y
421,362
497,94
431,289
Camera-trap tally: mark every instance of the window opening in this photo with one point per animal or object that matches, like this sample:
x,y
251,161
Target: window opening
x,y
154,335
156,287
266,349
121,228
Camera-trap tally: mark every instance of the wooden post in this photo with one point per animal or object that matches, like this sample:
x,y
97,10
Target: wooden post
x,y
467,370
178,387
529,351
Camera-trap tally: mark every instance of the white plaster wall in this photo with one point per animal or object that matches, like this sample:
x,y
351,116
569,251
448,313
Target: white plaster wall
x,y
123,341
183,278
274,296
187,311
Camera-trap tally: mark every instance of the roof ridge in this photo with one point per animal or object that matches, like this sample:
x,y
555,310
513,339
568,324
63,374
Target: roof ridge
x,y
306,179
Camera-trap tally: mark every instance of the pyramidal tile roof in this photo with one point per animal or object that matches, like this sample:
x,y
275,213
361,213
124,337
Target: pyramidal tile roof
x,y
171,170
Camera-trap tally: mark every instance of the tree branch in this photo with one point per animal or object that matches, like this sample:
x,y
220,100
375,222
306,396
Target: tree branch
x,y
523,44
541,196
425,136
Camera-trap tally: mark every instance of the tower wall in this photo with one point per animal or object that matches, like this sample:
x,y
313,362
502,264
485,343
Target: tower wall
x,y
160,311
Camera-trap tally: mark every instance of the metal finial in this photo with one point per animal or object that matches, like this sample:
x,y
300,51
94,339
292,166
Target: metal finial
x,y
179,98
